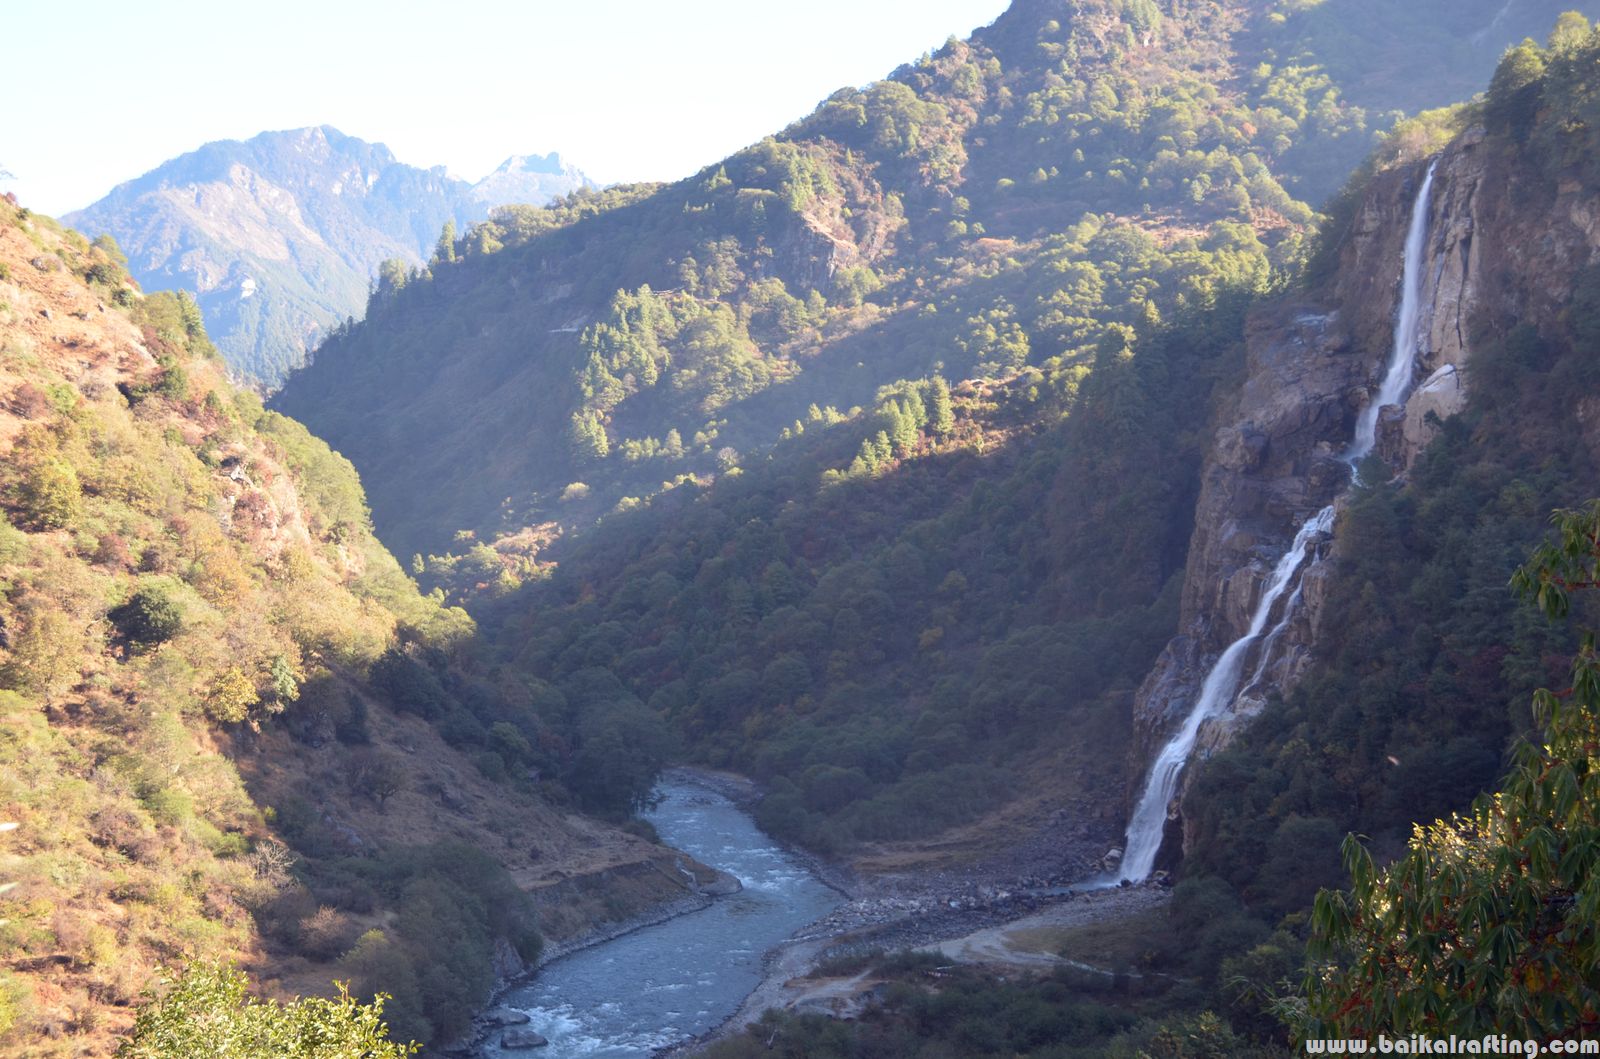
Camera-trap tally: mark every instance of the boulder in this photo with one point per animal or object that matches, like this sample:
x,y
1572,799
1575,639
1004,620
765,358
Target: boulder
x,y
1441,395
1241,448
499,1018
520,1040
723,885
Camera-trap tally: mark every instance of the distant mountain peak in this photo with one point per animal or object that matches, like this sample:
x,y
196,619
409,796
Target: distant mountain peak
x,y
536,163
530,178
280,234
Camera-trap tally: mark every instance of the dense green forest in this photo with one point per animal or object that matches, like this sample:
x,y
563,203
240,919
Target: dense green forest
x,y
1421,697
890,422
1427,658
889,648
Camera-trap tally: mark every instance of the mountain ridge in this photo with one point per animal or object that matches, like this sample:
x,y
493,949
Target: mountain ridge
x,y
280,236
531,179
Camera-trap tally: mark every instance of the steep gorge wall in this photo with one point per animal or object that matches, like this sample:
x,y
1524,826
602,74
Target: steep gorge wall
x,y
1503,247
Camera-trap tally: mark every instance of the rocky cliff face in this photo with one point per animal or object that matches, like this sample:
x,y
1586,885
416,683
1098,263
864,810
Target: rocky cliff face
x,y
1501,248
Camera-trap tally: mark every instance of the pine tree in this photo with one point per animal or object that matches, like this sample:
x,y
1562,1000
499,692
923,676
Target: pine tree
x,y
941,415
587,437
445,249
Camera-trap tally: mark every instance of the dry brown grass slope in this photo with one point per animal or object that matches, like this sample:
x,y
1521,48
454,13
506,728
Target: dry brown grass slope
x,y
185,595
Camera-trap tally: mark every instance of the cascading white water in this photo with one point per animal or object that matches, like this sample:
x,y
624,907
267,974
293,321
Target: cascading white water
x,y
1264,658
1480,37
1403,356
1222,685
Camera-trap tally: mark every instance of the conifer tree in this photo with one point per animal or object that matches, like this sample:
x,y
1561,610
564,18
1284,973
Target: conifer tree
x,y
445,249
941,415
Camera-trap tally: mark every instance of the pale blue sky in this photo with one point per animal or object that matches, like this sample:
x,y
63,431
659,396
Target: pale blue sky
x,y
104,90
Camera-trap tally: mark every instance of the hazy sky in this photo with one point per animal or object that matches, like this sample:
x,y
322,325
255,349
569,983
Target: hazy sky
x,y
625,89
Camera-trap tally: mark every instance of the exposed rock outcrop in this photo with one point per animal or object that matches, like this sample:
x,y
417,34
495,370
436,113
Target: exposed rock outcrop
x,y
1501,248
521,1040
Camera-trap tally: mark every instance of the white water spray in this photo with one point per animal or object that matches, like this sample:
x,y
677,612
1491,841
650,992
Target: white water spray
x,y
1264,658
1482,36
1222,685
1403,356
1218,692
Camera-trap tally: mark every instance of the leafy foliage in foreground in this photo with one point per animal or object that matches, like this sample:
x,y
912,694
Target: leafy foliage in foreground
x,y
1491,921
206,1013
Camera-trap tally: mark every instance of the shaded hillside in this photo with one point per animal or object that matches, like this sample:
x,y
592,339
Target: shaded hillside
x,y
901,650
1415,690
1370,48
220,698
1045,221
280,236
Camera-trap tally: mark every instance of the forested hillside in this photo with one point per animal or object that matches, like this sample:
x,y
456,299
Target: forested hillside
x,y
897,651
987,211
1421,698
1425,669
864,462
905,614
219,691
811,390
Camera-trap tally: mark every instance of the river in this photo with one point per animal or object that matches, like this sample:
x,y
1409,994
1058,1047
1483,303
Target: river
x,y
667,983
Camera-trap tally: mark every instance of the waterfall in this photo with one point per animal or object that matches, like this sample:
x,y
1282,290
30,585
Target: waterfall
x,y
1289,610
1222,685
1402,358
1218,692
1482,36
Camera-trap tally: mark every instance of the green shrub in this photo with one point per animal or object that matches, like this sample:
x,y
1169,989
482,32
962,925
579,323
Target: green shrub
x,y
207,1014
14,998
231,696
174,381
409,684
49,495
149,617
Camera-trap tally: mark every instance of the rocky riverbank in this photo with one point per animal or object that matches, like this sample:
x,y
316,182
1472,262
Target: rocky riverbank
x,y
891,924
746,793
1042,875
897,910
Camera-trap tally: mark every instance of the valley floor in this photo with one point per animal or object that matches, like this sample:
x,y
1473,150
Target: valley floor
x,y
999,896
1028,943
